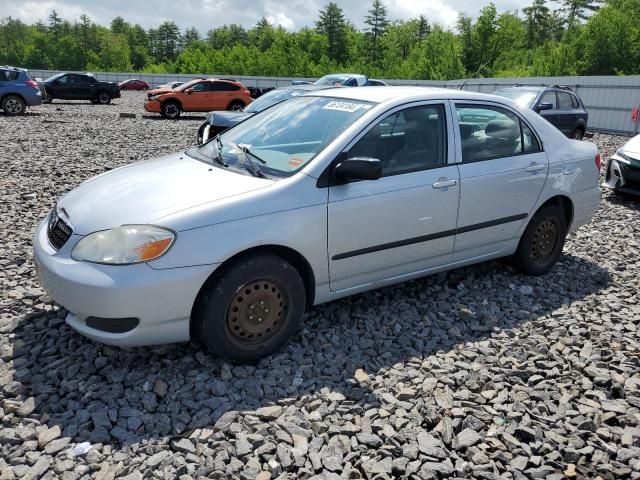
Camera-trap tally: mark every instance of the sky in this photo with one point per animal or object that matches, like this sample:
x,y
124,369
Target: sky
x,y
208,14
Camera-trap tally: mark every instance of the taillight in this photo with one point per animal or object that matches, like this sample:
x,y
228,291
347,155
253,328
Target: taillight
x,y
33,83
247,92
598,161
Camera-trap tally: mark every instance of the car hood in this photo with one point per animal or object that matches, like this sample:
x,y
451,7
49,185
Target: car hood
x,y
226,119
159,91
633,145
143,192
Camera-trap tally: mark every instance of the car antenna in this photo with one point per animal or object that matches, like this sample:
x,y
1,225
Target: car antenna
x,y
474,74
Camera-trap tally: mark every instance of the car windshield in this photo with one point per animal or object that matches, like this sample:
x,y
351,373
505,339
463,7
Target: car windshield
x,y
332,80
523,98
271,98
184,86
53,77
285,137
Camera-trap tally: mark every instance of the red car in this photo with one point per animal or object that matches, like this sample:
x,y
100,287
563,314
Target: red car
x,y
133,84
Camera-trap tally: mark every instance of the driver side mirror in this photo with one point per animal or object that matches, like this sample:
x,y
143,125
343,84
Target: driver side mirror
x,y
189,91
358,168
545,106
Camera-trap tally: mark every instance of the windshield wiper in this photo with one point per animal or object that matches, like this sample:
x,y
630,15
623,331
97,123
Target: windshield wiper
x,y
249,164
218,158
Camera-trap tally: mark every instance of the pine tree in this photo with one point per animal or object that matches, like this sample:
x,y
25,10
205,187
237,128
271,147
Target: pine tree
x,y
333,25
191,35
538,20
54,24
377,22
576,10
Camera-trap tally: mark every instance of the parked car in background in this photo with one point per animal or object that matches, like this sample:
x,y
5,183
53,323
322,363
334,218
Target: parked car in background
x,y
198,96
322,196
342,80
558,104
78,86
372,82
169,86
623,169
17,90
218,122
133,84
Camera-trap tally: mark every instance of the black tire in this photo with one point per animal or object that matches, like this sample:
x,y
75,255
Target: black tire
x,y
171,110
103,98
542,241
47,96
577,134
273,293
13,105
236,106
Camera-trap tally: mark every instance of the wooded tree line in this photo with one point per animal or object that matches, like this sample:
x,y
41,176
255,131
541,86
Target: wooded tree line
x,y
563,37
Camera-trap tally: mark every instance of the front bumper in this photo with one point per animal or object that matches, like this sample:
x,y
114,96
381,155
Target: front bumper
x,y
622,177
152,106
160,299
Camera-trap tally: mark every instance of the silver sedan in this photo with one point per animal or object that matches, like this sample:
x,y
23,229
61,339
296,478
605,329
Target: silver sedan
x,y
322,196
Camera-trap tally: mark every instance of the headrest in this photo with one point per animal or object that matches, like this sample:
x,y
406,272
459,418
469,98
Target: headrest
x,y
506,129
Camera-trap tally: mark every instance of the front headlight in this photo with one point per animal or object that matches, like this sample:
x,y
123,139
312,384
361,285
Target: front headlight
x,y
124,245
153,97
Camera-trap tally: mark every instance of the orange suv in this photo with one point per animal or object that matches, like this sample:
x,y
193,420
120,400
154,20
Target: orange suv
x,y
198,96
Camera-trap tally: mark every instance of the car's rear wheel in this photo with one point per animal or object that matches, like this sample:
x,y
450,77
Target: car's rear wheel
x,y
251,309
236,106
171,110
13,105
577,134
47,96
104,98
542,241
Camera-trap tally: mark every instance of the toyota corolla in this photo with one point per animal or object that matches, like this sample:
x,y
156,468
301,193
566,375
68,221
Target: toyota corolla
x,y
322,196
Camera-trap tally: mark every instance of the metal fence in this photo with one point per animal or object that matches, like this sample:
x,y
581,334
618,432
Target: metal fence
x,y
608,99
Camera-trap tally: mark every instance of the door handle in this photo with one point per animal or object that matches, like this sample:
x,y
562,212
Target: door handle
x,y
535,167
444,183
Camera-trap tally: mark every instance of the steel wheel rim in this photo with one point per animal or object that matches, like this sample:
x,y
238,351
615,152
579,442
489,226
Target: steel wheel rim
x,y
236,107
13,106
544,241
104,98
257,312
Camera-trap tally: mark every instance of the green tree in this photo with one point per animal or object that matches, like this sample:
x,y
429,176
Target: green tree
x,y
377,22
55,23
333,26
538,19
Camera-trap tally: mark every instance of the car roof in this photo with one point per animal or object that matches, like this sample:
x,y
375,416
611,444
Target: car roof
x,y
383,94
532,88
306,87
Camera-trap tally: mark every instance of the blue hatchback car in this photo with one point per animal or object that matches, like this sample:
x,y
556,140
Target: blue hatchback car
x,y
17,90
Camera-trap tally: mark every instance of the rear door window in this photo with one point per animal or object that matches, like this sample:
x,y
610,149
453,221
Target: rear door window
x,y
564,101
488,132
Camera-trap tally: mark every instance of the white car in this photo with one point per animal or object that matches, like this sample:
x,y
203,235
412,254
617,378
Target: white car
x,y
324,195
623,169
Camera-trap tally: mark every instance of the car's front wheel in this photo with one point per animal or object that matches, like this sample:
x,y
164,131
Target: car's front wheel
x,y
542,241
104,98
13,105
251,309
170,110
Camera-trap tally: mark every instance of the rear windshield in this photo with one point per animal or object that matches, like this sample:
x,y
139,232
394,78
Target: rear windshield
x,y
524,98
7,75
271,98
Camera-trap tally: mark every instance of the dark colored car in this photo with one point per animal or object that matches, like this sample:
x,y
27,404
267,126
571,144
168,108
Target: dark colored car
x,y
17,90
559,105
133,84
78,86
218,121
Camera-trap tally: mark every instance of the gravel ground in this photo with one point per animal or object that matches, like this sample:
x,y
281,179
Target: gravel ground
x,y
476,373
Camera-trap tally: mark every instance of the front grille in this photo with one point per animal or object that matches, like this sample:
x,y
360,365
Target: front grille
x,y
58,231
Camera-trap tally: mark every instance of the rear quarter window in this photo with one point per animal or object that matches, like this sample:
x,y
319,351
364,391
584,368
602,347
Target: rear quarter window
x,y
8,75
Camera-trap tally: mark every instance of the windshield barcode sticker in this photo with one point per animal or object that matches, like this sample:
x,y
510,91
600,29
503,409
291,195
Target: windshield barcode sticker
x,y
343,106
